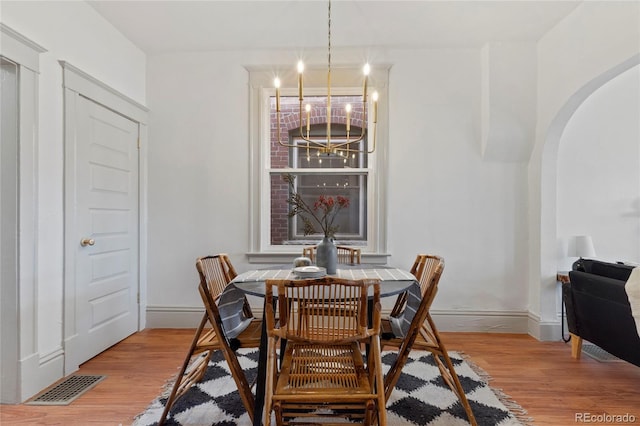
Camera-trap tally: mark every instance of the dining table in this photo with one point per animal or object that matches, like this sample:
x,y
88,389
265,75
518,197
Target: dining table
x,y
393,281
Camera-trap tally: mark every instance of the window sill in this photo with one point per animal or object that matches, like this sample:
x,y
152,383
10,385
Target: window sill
x,y
287,257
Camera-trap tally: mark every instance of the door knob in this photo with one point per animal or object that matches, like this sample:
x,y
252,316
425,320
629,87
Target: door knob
x,y
87,242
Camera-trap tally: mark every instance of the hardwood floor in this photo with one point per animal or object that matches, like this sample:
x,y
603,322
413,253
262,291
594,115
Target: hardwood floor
x,y
541,376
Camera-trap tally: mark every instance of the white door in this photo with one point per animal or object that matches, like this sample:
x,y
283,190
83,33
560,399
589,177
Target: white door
x,y
106,191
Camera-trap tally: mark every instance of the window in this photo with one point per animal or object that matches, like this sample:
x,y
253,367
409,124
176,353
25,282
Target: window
x,y
335,175
356,176
342,173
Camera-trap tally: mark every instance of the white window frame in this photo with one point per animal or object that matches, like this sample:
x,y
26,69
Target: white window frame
x,y
261,88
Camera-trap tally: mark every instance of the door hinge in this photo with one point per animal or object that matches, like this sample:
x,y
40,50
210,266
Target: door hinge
x,y
138,143
138,297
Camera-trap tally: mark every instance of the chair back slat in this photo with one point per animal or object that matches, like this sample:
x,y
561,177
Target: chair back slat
x,y
429,269
323,310
216,271
346,254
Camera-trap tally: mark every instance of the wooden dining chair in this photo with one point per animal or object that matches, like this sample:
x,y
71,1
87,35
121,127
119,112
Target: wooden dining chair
x,y
346,254
215,274
323,372
405,331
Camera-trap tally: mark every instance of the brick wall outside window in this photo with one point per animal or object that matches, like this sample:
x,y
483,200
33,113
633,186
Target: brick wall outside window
x,y
289,127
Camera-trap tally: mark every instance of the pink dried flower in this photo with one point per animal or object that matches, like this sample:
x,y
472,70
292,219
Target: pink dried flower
x,y
323,212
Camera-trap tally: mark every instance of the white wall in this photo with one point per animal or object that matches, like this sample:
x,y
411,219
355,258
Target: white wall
x,y
74,32
198,170
599,171
444,198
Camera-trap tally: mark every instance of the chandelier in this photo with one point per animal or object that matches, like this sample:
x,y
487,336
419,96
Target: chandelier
x,y
344,145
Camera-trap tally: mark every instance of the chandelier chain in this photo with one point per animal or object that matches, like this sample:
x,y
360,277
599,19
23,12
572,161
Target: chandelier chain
x,y
329,37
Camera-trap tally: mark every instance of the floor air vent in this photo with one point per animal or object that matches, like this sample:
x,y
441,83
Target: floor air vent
x,y
67,390
599,354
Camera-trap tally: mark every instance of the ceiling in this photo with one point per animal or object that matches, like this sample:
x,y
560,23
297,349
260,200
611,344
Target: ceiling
x,y
181,25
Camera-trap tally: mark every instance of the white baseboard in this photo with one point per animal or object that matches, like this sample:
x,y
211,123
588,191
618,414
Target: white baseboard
x,y
548,331
519,322
38,375
481,321
174,316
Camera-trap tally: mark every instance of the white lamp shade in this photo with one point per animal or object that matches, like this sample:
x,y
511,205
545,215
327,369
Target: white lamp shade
x,y
581,246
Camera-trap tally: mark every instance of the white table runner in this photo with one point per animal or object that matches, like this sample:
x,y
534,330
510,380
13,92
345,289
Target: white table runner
x,y
390,274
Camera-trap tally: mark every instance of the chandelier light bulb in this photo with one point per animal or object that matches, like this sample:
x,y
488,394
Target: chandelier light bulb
x,y
375,107
347,107
300,89
366,69
276,82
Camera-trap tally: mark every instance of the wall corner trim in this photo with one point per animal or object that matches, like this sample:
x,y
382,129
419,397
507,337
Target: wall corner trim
x,y
20,49
77,80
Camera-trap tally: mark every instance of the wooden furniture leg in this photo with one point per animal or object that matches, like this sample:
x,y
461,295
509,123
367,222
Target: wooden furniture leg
x,y
576,346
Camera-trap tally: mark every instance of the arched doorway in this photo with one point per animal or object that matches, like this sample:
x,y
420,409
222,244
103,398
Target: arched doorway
x,y
598,185
544,236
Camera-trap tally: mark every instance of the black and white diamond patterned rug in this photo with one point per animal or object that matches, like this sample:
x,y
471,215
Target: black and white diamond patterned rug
x,y
421,397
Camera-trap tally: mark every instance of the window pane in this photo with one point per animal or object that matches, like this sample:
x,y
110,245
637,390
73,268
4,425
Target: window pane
x,y
351,221
343,158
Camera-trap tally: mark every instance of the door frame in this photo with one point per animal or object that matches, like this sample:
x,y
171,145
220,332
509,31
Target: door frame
x,y
23,372
77,83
